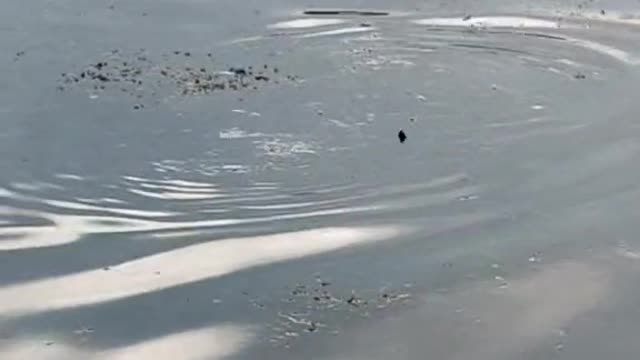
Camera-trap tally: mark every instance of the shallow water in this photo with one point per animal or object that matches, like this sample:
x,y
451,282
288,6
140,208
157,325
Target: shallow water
x,y
160,213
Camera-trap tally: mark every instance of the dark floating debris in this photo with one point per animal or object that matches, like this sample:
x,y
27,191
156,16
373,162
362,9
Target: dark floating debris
x,y
313,308
355,301
402,136
544,36
238,71
466,18
19,54
139,74
580,76
312,327
346,12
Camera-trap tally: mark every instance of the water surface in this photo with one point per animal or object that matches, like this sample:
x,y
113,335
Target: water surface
x,y
202,180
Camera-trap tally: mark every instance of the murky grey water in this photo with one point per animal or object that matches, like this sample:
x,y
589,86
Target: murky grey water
x,y
195,180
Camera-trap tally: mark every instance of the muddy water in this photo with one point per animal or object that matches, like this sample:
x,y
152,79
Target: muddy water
x,y
200,181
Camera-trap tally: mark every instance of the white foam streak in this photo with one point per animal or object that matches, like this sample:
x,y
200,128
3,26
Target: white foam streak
x,y
491,22
306,23
166,195
349,30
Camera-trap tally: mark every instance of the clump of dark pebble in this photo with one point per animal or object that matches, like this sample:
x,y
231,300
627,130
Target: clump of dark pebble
x,y
181,72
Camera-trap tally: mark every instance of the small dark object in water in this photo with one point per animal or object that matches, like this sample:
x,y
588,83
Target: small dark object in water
x,y
366,25
354,301
580,76
346,12
238,71
466,18
262,78
325,283
187,54
602,12
402,136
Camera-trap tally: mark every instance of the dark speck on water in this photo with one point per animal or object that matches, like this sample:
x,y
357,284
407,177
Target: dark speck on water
x,y
402,136
346,12
238,71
